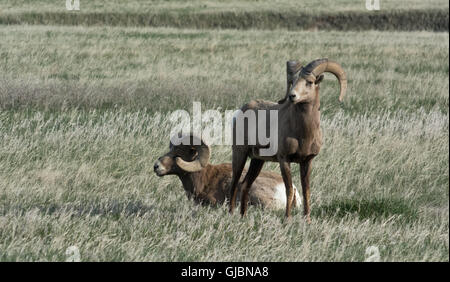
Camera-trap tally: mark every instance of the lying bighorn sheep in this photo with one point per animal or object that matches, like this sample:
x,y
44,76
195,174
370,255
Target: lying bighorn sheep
x,y
209,184
299,133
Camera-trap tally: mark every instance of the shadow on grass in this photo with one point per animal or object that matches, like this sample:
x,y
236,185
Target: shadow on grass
x,y
367,209
111,208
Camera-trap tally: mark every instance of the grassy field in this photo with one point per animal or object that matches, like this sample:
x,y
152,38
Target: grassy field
x,y
163,69
249,14
85,100
200,6
85,179
84,116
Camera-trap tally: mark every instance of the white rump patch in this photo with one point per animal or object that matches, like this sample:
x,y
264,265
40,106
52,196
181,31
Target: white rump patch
x,y
279,197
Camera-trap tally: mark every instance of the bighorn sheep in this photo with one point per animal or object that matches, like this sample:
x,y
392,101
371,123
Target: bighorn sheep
x,y
299,134
209,184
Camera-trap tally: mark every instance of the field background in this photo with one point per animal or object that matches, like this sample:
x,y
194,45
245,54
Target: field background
x,y
250,14
84,114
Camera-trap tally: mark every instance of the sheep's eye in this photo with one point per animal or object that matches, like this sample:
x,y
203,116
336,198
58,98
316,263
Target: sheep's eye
x,y
308,83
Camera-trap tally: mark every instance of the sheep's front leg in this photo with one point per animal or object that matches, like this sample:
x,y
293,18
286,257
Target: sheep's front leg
x,y
285,168
253,172
305,171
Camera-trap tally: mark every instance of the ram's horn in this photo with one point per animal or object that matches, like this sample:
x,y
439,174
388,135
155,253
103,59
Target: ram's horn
x,y
202,158
292,71
314,69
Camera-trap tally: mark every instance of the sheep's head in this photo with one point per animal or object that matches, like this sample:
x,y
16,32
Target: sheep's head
x,y
183,158
303,82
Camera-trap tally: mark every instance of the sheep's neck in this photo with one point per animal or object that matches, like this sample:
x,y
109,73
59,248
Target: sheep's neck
x,y
307,127
309,114
188,182
208,186
191,182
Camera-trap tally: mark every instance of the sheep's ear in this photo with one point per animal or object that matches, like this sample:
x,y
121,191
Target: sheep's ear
x,y
319,79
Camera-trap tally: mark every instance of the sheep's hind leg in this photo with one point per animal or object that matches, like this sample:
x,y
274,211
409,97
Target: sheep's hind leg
x,y
238,165
305,171
253,172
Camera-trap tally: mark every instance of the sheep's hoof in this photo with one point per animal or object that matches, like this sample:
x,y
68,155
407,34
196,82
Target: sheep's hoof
x,y
287,215
286,220
308,219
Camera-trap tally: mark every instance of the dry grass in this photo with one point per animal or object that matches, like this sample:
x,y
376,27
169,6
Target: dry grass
x,y
134,67
84,115
213,6
260,14
85,179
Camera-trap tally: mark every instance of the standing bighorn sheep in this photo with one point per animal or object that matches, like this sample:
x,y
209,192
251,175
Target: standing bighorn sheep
x,y
210,184
299,134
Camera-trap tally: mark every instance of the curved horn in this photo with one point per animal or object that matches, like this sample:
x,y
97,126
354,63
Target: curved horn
x,y
317,67
202,158
292,71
